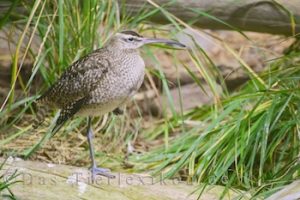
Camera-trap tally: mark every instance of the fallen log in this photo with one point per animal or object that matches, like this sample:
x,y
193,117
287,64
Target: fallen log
x,y
267,16
52,181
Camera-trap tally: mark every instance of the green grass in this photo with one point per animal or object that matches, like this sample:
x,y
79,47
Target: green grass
x,y
6,181
250,137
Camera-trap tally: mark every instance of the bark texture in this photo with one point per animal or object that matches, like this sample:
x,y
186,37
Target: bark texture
x,y
268,16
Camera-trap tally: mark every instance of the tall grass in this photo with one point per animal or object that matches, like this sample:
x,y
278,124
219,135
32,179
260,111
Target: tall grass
x,y
6,181
66,30
250,138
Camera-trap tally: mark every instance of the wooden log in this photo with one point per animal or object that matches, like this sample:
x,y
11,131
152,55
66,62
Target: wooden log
x,y
51,181
268,16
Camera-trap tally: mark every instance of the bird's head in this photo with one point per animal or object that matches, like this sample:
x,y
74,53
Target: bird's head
x,y
132,40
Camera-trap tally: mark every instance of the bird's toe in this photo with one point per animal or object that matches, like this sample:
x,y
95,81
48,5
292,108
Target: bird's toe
x,y
102,172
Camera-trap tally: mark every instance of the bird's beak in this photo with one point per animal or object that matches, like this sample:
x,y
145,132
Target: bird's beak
x,y
171,43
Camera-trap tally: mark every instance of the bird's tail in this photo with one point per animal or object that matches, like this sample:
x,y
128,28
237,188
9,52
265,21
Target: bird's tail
x,y
67,113
42,113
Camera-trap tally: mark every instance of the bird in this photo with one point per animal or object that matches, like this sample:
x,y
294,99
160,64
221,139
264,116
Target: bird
x,y
100,82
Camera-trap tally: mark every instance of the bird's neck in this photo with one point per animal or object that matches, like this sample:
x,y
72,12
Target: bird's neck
x,y
120,51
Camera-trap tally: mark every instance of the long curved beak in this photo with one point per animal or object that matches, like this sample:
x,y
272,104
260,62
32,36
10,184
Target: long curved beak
x,y
171,43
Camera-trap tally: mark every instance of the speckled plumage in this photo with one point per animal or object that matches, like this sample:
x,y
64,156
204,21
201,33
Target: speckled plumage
x,y
96,84
101,81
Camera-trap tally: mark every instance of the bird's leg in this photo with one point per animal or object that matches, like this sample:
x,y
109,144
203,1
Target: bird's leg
x,y
94,169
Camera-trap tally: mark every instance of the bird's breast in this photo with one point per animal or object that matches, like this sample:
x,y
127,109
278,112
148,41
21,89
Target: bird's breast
x,y
127,76
118,85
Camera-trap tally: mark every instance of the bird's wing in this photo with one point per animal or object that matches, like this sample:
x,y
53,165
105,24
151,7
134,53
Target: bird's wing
x,y
78,80
66,113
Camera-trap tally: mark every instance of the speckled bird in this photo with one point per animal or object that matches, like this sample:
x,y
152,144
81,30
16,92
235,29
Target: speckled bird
x,y
98,83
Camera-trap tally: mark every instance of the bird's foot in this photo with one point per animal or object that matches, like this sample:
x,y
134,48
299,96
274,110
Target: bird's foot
x,y
102,172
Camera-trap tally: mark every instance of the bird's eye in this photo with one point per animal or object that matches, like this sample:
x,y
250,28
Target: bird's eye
x,y
130,39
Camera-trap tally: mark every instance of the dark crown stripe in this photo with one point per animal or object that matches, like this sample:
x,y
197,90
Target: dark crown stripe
x,y
131,33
